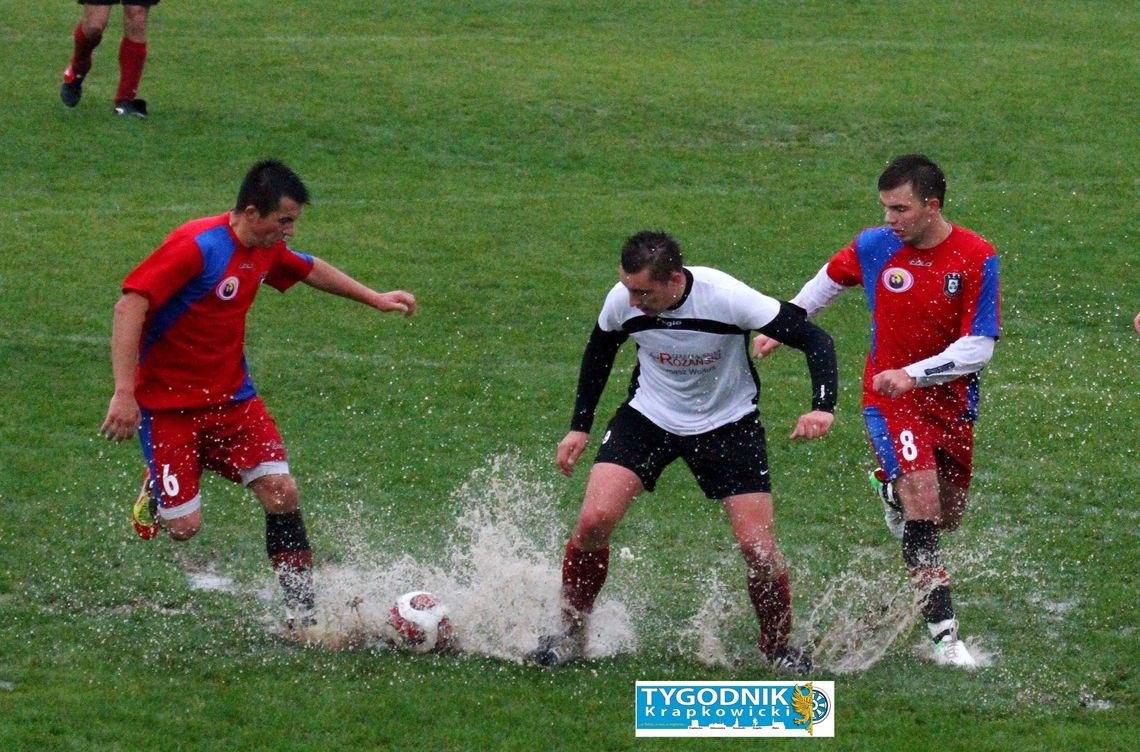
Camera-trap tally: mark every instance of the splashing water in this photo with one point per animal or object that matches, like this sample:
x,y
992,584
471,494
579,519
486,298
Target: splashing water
x,y
499,579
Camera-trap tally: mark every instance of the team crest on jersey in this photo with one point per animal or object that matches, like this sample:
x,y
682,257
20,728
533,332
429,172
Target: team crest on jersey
x,y
953,284
897,279
227,289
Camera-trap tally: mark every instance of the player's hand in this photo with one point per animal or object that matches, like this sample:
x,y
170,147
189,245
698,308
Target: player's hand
x,y
762,344
893,383
569,450
398,300
123,418
1136,323
813,425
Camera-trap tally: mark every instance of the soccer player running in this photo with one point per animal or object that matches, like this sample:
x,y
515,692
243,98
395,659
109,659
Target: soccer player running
x,y
86,37
693,396
932,288
181,378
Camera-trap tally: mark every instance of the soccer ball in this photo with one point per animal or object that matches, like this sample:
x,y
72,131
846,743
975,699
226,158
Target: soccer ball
x,y
418,623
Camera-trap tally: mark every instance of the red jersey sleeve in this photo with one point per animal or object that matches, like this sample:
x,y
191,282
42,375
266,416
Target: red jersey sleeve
x,y
844,268
289,268
166,270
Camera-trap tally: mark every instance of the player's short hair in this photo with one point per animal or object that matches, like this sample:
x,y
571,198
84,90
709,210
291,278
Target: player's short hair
x,y
924,176
266,183
653,250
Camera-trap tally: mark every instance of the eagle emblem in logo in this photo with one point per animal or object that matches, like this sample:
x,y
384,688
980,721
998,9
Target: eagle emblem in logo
x,y
953,284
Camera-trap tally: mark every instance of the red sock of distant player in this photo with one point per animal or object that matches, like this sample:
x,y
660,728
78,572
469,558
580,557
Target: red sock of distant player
x,y
772,600
583,574
132,58
81,57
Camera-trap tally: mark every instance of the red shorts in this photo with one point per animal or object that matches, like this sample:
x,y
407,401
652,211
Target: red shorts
x,y
906,441
238,441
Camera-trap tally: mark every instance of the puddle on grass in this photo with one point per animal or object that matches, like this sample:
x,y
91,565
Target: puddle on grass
x,y
499,582
500,574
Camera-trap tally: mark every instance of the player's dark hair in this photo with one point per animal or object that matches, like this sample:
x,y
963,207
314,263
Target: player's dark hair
x,y
653,250
266,183
920,171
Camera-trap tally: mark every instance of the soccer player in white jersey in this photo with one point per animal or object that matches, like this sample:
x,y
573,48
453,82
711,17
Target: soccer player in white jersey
x,y
693,396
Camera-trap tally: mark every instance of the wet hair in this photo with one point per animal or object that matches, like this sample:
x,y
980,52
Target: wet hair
x,y
653,250
924,176
266,183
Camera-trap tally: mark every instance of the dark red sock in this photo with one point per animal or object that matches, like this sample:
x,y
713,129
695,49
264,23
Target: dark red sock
x,y
772,600
132,58
81,57
583,574
287,544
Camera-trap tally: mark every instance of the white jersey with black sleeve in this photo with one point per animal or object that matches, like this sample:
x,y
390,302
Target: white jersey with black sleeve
x,y
694,372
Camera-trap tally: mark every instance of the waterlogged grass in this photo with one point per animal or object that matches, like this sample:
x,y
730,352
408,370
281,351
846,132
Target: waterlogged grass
x,y
490,157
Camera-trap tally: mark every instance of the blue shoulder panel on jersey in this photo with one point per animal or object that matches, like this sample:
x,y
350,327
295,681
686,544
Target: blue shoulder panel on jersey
x,y
985,322
217,247
874,248
305,256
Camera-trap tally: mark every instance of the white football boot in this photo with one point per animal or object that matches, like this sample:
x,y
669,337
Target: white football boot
x,y
950,651
892,506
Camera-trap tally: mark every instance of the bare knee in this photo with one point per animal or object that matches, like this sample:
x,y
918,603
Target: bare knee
x,y
277,493
95,19
764,558
593,530
183,528
134,22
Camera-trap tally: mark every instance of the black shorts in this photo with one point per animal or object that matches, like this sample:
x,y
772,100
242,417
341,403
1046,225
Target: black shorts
x,y
726,461
118,2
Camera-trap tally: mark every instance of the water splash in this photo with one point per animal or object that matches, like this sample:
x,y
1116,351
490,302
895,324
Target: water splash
x,y
499,577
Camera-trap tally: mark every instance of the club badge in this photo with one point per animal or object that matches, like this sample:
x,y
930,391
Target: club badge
x,y
897,279
228,288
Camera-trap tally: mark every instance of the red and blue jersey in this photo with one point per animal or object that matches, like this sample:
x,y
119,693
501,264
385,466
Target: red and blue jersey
x,y
921,301
200,284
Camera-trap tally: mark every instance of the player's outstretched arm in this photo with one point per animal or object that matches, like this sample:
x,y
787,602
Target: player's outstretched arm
x,y
327,278
123,415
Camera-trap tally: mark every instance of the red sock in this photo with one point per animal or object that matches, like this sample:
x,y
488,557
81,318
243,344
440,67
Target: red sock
x,y
772,600
132,58
583,574
81,57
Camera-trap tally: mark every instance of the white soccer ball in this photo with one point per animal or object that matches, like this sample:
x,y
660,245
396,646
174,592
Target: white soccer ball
x,y
418,623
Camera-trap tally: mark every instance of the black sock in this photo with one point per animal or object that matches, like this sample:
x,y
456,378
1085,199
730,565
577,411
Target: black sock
x,y
287,544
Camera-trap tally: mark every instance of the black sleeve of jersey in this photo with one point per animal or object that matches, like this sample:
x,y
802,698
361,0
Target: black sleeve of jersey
x,y
597,362
792,328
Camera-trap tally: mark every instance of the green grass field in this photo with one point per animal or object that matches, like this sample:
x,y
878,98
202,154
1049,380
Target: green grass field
x,y
491,157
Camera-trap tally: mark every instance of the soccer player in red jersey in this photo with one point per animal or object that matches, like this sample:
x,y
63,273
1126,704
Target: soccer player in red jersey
x,y
932,288
132,52
181,378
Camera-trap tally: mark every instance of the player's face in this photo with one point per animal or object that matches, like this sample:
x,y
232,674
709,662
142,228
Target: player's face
x,y
910,218
275,226
651,296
